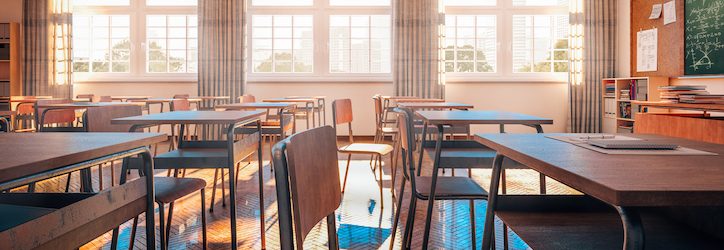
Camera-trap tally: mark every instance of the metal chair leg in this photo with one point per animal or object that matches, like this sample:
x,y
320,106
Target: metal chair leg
x,y
161,222
472,224
223,189
213,190
397,215
379,169
410,225
132,241
168,223
344,183
203,217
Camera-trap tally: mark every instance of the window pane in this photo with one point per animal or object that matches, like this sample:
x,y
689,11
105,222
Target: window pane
x,y
561,3
282,44
471,2
359,3
170,2
359,44
471,44
282,2
101,43
101,2
171,43
540,43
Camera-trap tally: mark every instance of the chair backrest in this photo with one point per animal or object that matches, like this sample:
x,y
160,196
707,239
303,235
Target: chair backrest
x,y
88,97
377,99
342,111
98,119
53,116
309,178
181,96
180,105
406,131
105,98
247,98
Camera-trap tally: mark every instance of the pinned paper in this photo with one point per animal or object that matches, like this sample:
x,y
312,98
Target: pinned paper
x,y
647,50
656,11
669,12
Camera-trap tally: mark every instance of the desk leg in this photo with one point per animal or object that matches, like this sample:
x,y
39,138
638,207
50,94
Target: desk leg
x,y
261,186
232,187
489,226
422,143
542,181
431,199
633,230
150,198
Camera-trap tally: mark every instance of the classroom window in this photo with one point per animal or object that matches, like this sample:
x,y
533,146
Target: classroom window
x,y
134,40
172,43
282,44
511,40
470,44
359,44
101,44
540,43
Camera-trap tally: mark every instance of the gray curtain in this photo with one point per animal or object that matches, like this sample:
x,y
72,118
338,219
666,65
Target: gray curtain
x,y
592,59
418,38
221,48
47,63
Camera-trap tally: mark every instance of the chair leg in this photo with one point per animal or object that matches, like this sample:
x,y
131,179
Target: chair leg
x,y
133,233
213,190
344,183
410,225
161,222
168,223
67,183
397,215
113,174
203,217
223,189
472,224
379,169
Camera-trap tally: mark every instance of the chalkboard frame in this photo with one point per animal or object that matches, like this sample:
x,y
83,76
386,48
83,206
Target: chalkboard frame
x,y
688,71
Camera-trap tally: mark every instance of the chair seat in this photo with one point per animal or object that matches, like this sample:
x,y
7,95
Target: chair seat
x,y
169,189
450,188
192,158
366,148
390,130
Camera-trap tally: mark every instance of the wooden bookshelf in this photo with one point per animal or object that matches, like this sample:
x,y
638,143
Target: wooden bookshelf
x,y
10,62
683,106
647,89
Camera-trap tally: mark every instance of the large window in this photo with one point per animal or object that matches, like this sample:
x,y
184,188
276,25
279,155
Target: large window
x,y
508,40
320,40
127,40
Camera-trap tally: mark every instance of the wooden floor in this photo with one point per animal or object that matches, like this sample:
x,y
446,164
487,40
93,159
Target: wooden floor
x,y
362,224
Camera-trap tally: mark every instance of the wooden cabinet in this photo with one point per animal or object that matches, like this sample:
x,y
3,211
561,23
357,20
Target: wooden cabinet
x,y
10,61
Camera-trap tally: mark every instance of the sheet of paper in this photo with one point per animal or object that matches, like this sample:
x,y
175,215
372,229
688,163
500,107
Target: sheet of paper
x,y
647,50
655,11
669,12
576,140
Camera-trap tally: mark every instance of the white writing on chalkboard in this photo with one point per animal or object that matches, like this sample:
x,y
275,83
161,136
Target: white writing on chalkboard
x,y
704,36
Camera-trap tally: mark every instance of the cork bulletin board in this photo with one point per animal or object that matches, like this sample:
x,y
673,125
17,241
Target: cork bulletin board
x,y
670,38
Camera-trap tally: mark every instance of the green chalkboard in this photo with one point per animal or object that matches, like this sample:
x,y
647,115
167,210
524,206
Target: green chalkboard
x,y
704,37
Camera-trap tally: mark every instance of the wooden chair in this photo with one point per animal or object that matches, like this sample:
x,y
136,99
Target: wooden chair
x,y
307,182
62,117
181,96
167,189
342,113
105,98
447,187
85,97
247,98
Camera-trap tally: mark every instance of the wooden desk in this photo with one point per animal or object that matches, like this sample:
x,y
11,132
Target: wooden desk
x,y
309,107
281,107
31,157
436,105
125,98
208,102
627,182
459,117
40,116
210,154
321,107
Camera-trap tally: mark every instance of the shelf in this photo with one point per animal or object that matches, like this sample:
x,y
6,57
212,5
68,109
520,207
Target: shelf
x,y
684,106
582,222
624,119
623,100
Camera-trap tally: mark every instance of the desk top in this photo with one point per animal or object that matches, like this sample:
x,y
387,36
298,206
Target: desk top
x,y
436,105
25,154
81,105
162,100
129,97
298,99
256,105
460,117
191,117
210,97
622,180
408,100
318,97
712,107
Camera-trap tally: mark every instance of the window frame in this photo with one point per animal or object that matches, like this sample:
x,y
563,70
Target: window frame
x,y
137,10
320,11
504,11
